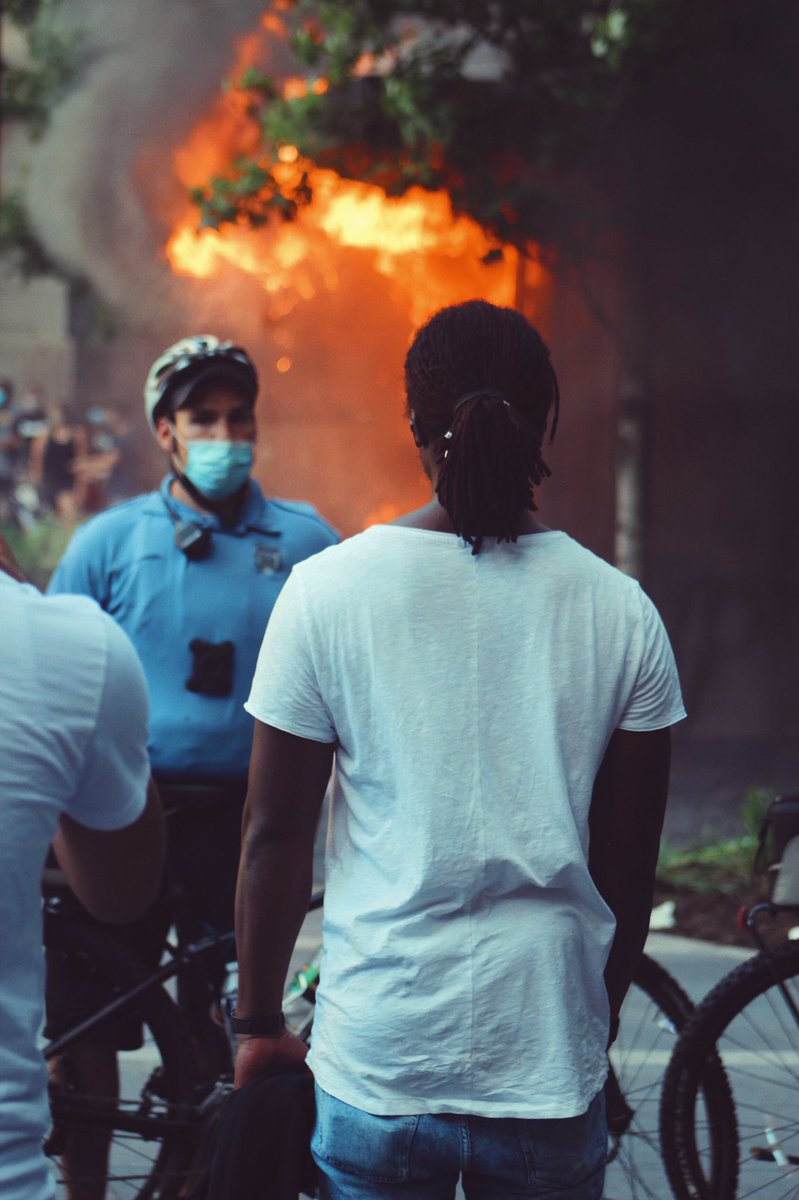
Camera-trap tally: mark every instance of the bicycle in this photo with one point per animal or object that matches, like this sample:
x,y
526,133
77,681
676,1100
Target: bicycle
x,y
730,1103
654,1011
161,1117
156,1123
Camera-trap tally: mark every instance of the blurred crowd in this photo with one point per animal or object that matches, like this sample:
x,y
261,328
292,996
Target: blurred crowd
x,y
56,460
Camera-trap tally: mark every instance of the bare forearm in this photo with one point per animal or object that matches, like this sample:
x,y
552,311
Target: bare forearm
x,y
288,775
116,874
274,887
630,899
625,823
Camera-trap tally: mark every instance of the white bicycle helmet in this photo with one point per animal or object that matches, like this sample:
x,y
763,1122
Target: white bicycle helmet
x,y
191,360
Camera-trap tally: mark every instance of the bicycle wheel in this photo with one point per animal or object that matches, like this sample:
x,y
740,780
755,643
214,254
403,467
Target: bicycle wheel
x,y
654,1010
752,1025
152,1126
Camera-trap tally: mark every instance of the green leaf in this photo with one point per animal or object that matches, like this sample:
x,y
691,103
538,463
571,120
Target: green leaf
x,y
19,245
54,57
503,147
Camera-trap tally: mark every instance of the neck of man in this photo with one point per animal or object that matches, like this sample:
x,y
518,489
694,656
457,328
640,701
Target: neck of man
x,y
228,509
433,516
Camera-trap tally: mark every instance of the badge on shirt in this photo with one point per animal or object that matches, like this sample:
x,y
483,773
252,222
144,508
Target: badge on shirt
x,y
268,559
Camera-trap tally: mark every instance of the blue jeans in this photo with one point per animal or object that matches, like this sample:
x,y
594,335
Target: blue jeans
x,y
364,1157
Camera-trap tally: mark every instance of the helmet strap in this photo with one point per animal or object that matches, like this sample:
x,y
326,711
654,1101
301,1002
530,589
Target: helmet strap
x,y
227,510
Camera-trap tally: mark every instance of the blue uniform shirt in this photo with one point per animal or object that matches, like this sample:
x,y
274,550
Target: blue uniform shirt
x,y
127,560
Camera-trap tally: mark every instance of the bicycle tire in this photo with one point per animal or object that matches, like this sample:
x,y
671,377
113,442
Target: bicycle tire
x,y
655,1008
746,1023
153,1125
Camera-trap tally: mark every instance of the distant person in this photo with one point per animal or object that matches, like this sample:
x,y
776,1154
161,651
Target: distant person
x,y
73,770
52,465
31,423
497,701
124,473
191,573
100,455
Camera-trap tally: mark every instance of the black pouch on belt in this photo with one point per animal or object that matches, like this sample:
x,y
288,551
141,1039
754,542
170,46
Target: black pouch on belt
x,y
212,669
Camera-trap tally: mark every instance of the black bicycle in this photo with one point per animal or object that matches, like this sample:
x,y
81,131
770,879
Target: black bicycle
x,y
730,1104
170,1086
158,1124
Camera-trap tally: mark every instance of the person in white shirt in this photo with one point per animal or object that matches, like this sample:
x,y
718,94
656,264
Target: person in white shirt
x,y
73,771
498,702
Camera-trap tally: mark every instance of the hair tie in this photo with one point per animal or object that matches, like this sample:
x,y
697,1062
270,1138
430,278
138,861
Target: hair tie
x,y
486,394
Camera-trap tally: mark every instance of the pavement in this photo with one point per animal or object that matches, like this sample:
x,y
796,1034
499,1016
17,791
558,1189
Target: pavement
x,y
697,965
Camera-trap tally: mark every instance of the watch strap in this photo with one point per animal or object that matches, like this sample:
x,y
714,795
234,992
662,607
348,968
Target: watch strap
x,y
270,1025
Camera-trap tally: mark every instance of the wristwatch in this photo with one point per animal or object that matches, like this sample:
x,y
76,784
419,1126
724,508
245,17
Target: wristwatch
x,y
270,1025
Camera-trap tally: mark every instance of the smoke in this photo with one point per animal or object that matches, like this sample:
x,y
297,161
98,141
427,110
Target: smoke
x,y
104,198
101,184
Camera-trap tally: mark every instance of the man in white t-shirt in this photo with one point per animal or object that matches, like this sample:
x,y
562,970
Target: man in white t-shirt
x,y
498,700
73,771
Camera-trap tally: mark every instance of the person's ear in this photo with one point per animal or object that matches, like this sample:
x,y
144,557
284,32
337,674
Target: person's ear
x,y
165,435
418,441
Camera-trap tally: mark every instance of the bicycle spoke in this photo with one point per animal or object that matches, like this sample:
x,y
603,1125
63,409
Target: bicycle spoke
x,y
646,1039
747,1022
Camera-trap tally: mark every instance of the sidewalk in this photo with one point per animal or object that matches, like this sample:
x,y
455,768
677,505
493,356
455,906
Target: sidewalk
x,y
697,965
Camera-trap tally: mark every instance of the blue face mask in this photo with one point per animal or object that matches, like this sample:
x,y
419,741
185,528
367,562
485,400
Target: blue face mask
x,y
218,468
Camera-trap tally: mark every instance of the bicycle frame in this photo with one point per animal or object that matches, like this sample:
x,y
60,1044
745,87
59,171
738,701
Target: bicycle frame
x,y
121,1003
181,957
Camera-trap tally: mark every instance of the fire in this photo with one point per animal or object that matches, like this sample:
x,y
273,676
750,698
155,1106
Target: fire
x,y
415,241
431,256
343,284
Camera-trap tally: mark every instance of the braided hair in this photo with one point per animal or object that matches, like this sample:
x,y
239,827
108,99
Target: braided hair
x,y
480,387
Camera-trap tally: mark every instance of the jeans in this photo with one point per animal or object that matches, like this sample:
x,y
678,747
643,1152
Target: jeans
x,y
365,1157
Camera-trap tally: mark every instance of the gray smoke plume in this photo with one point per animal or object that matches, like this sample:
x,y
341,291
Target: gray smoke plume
x,y
104,196
101,183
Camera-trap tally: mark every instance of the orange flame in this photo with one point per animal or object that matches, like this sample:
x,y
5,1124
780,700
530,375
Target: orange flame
x,y
353,248
431,256
414,240
384,514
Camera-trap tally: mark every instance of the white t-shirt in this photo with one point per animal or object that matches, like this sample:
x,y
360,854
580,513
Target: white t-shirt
x,y
73,736
472,699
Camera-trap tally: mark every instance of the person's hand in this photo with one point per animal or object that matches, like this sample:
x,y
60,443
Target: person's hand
x,y
8,563
267,1056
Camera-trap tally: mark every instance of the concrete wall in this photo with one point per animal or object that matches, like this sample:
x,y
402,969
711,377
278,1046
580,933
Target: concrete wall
x,y
35,347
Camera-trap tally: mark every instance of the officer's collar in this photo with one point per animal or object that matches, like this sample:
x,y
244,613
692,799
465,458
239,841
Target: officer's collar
x,y
255,514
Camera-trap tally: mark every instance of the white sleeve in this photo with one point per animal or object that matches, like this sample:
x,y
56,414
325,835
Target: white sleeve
x,y
285,690
655,701
112,789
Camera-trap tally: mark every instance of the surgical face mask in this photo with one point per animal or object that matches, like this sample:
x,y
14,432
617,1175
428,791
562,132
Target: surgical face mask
x,y
217,468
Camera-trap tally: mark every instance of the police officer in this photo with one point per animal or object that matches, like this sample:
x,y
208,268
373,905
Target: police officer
x,y
191,573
